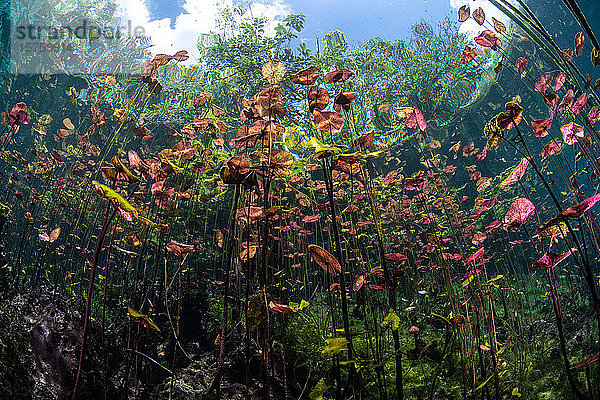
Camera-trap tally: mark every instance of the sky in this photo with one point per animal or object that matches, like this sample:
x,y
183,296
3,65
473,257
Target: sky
x,y
362,20
175,24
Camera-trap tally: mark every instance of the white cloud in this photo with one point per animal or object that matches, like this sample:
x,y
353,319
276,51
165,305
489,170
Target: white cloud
x,y
199,16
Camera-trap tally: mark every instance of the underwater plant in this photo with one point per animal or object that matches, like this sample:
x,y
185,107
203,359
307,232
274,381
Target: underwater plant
x,y
392,220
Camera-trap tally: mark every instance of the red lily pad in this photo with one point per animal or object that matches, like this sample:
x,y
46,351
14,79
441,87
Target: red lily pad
x,y
307,76
541,126
463,13
416,119
517,214
339,75
560,80
479,16
489,39
521,64
543,83
567,101
318,98
328,121
579,41
550,260
554,147
571,213
580,103
516,174
468,54
571,132
396,257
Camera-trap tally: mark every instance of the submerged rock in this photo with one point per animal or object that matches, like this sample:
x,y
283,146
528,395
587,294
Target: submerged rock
x,y
39,354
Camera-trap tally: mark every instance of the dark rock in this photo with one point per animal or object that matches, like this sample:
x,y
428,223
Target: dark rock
x,y
41,350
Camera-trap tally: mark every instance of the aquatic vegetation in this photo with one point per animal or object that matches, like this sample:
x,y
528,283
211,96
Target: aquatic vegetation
x,y
350,222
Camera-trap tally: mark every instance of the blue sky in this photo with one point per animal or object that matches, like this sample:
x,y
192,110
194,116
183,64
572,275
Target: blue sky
x,y
176,24
359,20
160,9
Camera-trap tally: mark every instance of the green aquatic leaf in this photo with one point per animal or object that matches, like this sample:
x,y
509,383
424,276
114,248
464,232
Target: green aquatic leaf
x,y
107,193
487,380
134,314
294,137
334,346
299,307
143,318
321,150
128,252
257,310
119,167
319,390
467,281
442,317
357,364
304,304
493,132
148,222
374,154
391,319
176,168
4,210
